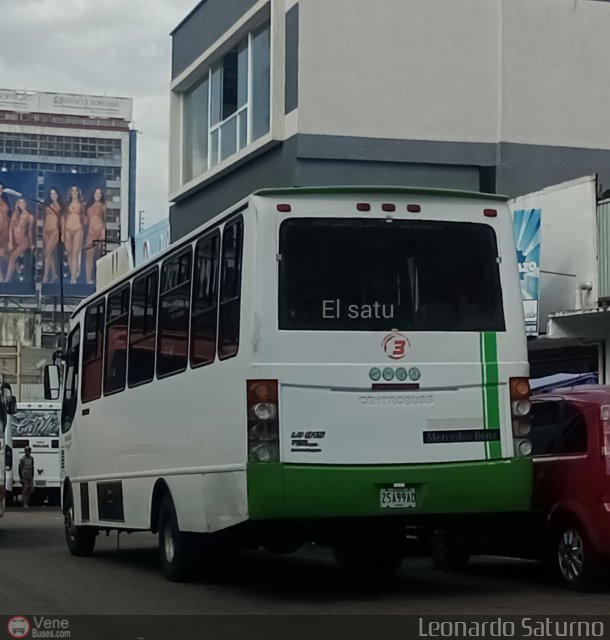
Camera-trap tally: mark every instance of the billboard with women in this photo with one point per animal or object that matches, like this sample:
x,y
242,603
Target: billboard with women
x,y
18,216
73,231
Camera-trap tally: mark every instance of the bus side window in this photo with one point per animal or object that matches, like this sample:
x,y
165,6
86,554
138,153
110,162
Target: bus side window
x,y
115,358
174,314
93,350
143,329
204,321
71,384
230,290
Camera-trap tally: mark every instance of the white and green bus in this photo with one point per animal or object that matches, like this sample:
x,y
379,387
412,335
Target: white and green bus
x,y
314,364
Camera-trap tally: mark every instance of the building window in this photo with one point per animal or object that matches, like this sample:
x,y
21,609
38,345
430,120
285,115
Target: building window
x,y
229,108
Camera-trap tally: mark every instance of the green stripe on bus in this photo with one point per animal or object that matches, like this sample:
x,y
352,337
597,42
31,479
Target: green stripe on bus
x,y
492,390
483,387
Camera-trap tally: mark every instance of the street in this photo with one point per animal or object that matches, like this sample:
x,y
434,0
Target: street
x,y
38,575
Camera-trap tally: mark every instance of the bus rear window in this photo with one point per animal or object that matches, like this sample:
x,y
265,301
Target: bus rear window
x,y
373,275
31,423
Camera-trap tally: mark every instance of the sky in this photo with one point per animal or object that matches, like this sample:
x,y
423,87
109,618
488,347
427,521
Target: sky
x,y
117,48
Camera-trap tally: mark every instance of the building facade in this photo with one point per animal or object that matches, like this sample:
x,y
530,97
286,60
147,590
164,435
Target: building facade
x,y
68,161
504,96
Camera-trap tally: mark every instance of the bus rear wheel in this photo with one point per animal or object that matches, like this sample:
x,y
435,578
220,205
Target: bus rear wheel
x,y
176,548
80,540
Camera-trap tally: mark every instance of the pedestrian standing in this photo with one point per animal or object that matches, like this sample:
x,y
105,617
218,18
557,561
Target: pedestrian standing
x,y
26,475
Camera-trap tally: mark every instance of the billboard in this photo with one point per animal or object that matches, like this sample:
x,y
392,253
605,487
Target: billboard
x,y
526,226
74,211
66,103
18,224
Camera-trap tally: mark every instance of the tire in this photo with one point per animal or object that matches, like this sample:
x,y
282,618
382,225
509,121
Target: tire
x,y
369,560
80,540
447,553
176,548
54,497
576,562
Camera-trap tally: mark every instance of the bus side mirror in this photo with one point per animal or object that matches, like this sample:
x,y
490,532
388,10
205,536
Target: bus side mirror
x,y
51,382
11,405
10,402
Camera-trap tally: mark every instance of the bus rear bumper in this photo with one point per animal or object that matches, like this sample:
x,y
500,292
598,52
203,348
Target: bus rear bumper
x,y
287,491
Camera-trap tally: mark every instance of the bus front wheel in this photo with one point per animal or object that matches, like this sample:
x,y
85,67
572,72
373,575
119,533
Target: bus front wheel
x,y
80,540
176,548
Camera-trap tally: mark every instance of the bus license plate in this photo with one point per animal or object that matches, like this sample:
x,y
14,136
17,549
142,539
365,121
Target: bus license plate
x,y
40,483
398,498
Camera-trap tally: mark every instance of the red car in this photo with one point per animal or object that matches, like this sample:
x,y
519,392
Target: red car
x,y
569,523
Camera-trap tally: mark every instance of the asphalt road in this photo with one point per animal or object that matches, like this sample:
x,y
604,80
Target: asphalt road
x,y
37,574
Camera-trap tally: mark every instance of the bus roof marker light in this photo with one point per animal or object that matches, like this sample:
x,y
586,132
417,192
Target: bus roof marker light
x,y
363,206
413,208
401,374
490,213
284,208
388,206
414,373
388,373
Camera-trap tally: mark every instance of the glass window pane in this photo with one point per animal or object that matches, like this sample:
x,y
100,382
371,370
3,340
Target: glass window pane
x,y
573,431
261,74
243,128
242,74
230,290
68,409
214,138
229,84
205,302
228,137
216,96
142,330
195,132
93,350
545,427
385,276
115,362
174,314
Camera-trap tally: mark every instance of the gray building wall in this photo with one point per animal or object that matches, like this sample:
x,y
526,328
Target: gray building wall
x,y
512,121
307,160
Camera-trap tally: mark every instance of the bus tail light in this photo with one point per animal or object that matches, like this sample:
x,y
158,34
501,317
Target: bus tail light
x,y
519,389
263,421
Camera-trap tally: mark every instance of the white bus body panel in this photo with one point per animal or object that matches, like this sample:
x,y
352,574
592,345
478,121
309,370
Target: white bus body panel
x,y
324,379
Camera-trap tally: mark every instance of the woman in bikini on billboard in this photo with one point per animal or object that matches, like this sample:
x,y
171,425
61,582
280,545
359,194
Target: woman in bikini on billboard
x,y
53,216
96,217
73,231
20,241
5,226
